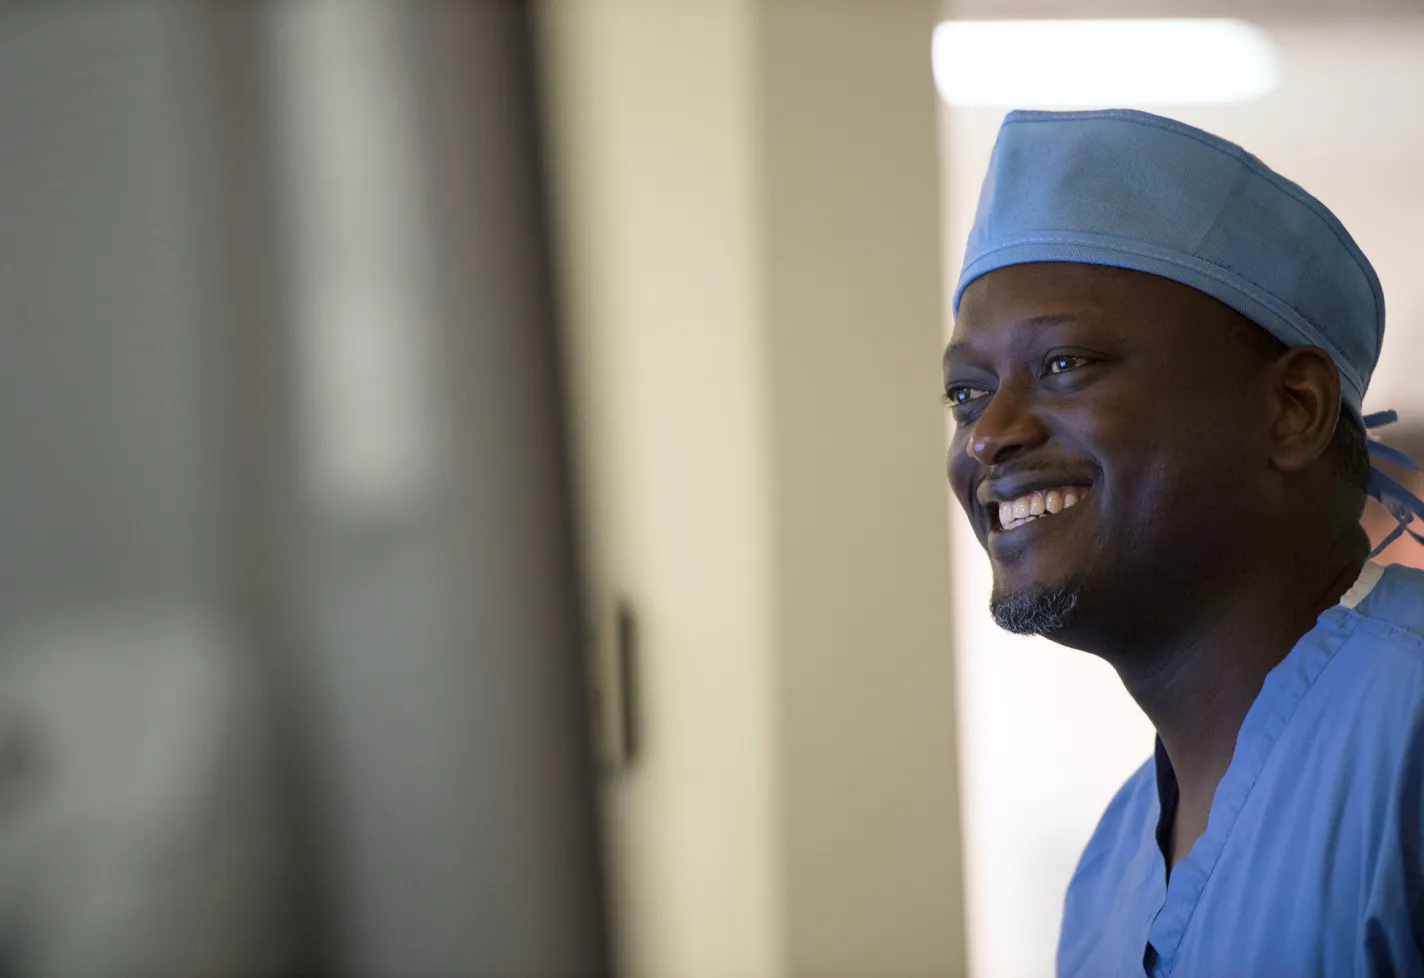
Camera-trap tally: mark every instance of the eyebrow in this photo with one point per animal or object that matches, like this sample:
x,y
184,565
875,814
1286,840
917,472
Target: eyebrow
x,y
1032,323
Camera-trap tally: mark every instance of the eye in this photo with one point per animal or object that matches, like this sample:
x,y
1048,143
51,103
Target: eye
x,y
962,394
1064,362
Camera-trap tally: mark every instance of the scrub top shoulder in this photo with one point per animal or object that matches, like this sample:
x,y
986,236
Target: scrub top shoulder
x,y
1313,858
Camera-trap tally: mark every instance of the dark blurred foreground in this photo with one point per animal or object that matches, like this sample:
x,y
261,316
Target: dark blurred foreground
x,y
290,679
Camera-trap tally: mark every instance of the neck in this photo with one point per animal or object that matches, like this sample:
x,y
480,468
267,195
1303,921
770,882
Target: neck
x,y
1197,683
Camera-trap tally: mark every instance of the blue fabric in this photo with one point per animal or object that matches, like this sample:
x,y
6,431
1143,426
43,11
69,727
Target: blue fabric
x,y
1402,504
1312,861
1136,190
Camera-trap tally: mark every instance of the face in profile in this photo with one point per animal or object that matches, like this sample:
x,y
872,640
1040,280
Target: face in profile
x,y
1102,447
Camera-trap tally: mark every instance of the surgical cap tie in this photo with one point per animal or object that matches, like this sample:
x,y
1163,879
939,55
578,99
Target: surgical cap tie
x,y
1402,504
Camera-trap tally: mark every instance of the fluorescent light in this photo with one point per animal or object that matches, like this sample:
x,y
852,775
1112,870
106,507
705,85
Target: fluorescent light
x,y
1043,63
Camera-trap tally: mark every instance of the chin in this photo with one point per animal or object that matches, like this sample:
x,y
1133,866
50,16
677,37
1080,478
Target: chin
x,y
1045,608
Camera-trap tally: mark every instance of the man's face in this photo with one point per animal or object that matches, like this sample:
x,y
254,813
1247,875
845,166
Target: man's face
x,y
1103,444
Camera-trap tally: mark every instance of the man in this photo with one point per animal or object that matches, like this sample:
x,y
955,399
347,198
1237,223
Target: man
x,y
1156,373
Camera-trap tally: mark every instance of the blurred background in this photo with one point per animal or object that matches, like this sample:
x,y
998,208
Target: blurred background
x,y
472,497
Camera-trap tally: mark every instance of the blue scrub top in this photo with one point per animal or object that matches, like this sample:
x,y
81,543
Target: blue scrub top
x,y
1313,858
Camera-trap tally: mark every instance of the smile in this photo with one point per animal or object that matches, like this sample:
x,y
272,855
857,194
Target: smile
x,y
1037,505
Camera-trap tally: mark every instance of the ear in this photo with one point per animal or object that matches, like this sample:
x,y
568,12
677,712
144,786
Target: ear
x,y
1306,398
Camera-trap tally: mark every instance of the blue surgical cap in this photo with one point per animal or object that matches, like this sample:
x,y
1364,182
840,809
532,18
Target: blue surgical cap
x,y
1135,190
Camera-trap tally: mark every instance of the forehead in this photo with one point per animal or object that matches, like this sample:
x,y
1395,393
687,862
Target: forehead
x,y
1150,309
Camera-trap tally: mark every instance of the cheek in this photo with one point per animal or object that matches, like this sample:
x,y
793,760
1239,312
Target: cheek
x,y
1174,474
1136,445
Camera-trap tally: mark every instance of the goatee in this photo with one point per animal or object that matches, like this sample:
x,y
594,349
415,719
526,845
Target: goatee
x,y
1038,610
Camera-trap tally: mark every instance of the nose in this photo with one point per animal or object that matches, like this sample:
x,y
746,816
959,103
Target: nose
x,y
1006,428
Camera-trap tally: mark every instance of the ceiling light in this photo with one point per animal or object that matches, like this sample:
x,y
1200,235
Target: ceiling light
x,y
1056,63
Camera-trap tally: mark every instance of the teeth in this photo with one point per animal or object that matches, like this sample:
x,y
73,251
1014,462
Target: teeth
x,y
1033,505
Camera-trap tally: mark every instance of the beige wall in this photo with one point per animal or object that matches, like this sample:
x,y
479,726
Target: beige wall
x,y
746,203
652,148
851,291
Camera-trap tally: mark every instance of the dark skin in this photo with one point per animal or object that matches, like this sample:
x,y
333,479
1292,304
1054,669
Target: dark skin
x,y
1213,530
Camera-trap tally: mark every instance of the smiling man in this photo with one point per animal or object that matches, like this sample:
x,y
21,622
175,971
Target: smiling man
x,y
1159,357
